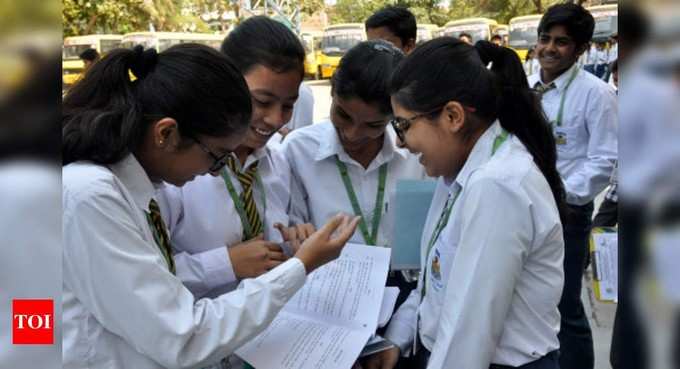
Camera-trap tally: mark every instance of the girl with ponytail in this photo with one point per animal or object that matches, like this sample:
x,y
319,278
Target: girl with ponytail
x,y
492,246
136,120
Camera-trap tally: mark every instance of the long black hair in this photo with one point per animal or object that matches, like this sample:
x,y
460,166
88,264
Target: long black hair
x,y
365,71
106,115
263,41
446,69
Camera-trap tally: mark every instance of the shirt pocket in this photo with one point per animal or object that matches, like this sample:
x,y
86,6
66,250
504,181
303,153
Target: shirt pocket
x,y
570,141
439,269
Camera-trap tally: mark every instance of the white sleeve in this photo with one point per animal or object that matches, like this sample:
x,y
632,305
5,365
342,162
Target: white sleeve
x,y
480,287
200,272
298,211
123,280
602,125
402,328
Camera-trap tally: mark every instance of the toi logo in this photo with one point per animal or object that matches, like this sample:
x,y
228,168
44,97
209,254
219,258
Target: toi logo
x,y
32,322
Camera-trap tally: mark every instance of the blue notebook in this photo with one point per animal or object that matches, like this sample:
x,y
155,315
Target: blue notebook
x,y
411,204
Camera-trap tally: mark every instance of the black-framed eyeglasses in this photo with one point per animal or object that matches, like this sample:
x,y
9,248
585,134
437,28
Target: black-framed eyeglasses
x,y
219,160
401,125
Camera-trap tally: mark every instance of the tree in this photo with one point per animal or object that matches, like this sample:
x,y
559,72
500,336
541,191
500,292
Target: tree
x,y
103,16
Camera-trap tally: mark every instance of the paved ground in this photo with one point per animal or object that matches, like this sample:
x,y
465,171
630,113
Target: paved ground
x,y
601,314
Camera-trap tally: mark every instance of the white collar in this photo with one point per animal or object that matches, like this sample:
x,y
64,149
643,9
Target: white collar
x,y
561,81
136,181
331,146
480,154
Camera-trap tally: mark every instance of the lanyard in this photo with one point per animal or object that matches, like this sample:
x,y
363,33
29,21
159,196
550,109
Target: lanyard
x,y
370,239
446,213
240,206
560,113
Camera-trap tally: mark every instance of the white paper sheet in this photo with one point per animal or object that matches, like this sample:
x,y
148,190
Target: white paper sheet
x,y
328,322
387,308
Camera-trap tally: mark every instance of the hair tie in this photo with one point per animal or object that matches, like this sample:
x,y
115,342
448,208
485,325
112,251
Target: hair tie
x,y
143,62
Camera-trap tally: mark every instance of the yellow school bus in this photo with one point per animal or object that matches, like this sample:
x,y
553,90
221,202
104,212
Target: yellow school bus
x,y
311,41
606,21
161,41
478,28
72,66
336,40
524,33
426,32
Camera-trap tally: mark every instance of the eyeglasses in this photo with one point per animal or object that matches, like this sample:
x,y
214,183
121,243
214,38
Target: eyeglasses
x,y
401,125
219,160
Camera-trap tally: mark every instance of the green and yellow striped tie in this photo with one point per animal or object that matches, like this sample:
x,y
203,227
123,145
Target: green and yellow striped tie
x,y
246,178
160,233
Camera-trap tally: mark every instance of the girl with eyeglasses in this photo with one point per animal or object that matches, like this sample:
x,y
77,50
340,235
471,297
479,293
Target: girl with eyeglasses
x,y
351,163
135,120
492,246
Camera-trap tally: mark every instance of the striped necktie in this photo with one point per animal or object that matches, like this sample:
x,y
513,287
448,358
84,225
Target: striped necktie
x,y
160,233
542,89
246,178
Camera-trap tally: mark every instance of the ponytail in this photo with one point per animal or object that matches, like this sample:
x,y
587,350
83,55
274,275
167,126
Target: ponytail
x,y
106,115
520,113
447,69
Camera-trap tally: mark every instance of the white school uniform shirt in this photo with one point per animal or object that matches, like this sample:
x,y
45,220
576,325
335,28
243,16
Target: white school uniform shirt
x,y
591,58
495,273
613,53
317,189
203,221
590,126
122,308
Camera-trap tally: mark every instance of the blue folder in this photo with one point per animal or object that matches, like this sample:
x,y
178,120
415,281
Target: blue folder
x,y
411,204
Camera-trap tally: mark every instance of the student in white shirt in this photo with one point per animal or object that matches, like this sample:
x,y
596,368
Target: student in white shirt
x,y
531,65
584,114
351,164
180,116
492,246
591,59
215,239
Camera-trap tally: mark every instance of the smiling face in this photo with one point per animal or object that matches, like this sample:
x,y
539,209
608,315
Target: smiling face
x,y
358,123
557,51
439,141
273,95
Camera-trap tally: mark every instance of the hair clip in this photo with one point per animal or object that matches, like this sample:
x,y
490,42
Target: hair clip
x,y
131,75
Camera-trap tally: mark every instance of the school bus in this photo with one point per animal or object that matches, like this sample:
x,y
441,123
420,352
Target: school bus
x,y
478,28
312,43
606,21
425,33
524,33
336,40
161,41
72,66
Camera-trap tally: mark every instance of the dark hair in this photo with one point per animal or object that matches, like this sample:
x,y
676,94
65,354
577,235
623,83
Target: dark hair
x,y
30,118
446,69
262,41
105,115
496,37
398,19
89,55
531,52
578,21
634,28
365,72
